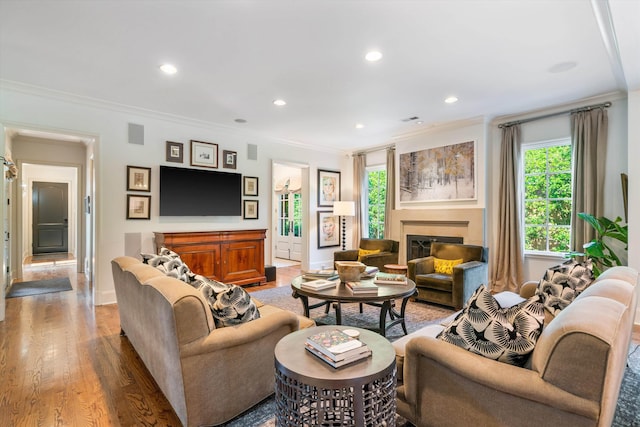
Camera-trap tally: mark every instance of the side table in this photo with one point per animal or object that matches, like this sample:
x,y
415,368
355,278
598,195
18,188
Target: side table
x,y
396,269
311,392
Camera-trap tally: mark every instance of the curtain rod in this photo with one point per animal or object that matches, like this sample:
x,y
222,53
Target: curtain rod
x,y
546,116
371,150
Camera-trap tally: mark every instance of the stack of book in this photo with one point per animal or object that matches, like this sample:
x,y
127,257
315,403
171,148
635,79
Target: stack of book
x,y
326,274
319,284
369,272
336,348
390,279
359,288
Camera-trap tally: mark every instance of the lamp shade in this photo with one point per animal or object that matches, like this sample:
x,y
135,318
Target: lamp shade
x,y
344,208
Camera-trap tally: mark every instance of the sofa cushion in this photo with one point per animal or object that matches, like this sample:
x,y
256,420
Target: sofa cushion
x,y
230,304
504,334
445,266
364,252
563,283
169,263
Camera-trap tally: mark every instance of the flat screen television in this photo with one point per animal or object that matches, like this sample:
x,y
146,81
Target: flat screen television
x,y
197,192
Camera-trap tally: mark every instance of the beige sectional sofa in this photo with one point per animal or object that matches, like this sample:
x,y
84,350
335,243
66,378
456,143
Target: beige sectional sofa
x,y
572,378
208,374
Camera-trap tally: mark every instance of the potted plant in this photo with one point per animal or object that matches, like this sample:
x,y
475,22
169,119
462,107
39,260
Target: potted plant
x,y
598,250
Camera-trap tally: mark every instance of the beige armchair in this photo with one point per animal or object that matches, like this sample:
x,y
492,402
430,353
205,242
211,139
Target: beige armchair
x,y
457,287
388,253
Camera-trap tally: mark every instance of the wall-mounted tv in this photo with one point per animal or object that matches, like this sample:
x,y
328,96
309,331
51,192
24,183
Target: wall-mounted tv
x,y
197,192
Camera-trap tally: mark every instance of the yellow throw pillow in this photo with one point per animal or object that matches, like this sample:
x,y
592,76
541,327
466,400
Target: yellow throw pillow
x,y
445,266
364,252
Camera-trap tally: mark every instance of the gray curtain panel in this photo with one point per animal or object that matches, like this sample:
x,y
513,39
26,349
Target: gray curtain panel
x,y
508,256
391,191
589,146
359,196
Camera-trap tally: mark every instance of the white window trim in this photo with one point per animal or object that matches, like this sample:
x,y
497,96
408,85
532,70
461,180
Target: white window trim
x,y
532,146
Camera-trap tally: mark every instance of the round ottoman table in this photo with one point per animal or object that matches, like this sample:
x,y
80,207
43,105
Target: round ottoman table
x,y
311,392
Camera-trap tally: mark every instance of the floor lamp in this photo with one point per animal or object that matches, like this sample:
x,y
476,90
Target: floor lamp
x,y
344,209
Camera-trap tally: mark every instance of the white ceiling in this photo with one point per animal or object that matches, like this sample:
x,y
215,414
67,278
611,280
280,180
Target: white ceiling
x,y
235,57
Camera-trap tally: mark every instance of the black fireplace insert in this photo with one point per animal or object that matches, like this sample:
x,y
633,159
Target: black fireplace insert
x,y
419,246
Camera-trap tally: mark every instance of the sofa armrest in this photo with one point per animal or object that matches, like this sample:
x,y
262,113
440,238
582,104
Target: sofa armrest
x,y
467,277
246,333
430,363
528,289
420,266
348,255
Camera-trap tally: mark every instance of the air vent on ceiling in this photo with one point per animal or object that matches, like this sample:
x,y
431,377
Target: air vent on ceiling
x,y
410,119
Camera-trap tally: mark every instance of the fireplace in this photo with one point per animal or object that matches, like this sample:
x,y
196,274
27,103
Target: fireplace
x,y
419,246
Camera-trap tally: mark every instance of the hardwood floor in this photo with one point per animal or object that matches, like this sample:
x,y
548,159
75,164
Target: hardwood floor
x,y
64,363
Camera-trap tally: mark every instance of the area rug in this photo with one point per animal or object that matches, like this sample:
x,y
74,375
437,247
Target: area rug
x,y
37,287
419,315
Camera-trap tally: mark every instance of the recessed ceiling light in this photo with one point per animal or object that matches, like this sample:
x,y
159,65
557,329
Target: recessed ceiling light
x,y
373,56
419,122
168,69
451,100
279,102
359,125
240,121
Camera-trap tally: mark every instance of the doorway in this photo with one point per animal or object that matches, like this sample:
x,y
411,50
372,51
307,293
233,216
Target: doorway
x,y
50,225
290,210
49,221
289,235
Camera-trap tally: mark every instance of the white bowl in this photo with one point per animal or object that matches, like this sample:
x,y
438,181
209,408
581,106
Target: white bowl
x,y
350,271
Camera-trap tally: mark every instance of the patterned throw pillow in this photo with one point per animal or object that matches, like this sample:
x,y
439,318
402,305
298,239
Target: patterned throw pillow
x,y
445,266
563,283
364,252
169,263
230,304
504,334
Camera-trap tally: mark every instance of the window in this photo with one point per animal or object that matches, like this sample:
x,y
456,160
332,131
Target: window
x,y
547,196
377,188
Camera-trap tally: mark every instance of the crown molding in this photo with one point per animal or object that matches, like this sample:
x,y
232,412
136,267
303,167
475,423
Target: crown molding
x,y
86,101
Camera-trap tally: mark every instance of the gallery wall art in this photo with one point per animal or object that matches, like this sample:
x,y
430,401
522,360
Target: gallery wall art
x,y
438,174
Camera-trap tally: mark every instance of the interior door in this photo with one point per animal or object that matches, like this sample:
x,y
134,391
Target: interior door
x,y
289,240
50,217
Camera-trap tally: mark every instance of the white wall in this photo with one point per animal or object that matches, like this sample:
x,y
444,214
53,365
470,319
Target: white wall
x,y
112,154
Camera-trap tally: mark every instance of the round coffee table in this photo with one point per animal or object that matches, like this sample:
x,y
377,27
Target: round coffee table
x,y
310,392
340,294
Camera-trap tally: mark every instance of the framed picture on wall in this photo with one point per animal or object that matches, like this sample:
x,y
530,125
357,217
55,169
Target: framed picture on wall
x,y
138,207
250,186
204,154
175,152
438,174
138,178
250,210
229,159
328,230
328,187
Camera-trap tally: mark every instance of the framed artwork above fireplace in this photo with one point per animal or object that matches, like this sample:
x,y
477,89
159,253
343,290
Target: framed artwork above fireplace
x,y
446,173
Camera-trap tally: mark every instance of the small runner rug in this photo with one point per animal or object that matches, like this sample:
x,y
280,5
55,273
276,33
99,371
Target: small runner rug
x,y
37,287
